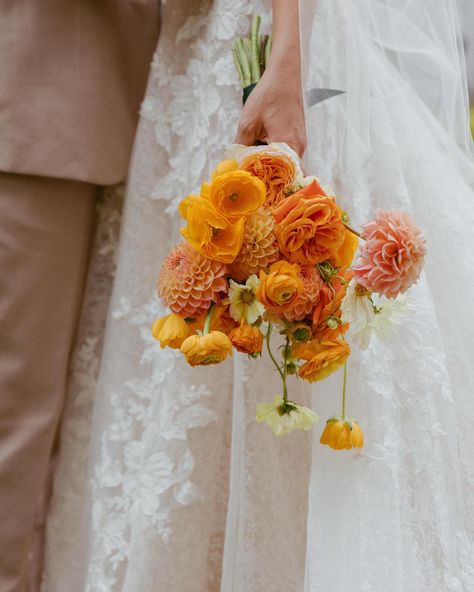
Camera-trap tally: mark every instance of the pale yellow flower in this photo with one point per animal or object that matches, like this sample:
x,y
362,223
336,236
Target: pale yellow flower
x,y
283,417
243,301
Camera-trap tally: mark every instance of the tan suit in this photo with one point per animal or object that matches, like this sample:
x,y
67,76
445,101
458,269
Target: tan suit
x,y
72,76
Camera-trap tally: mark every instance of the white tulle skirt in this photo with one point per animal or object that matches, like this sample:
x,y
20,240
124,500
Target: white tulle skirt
x,y
165,482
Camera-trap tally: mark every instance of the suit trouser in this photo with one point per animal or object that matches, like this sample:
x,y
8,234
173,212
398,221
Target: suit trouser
x,y
45,229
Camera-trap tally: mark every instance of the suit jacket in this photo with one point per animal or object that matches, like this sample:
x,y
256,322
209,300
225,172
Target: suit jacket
x,y
72,76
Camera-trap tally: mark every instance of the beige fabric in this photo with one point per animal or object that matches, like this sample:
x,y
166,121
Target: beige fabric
x,y
72,76
45,228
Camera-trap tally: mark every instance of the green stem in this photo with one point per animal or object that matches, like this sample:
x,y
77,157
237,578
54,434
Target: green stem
x,y
238,66
285,370
275,363
255,49
347,227
207,322
344,393
268,49
243,61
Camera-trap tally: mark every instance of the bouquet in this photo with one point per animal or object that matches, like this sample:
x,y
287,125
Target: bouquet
x,y
269,252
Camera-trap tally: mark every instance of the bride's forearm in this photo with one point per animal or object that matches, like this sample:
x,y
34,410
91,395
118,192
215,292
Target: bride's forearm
x,y
286,36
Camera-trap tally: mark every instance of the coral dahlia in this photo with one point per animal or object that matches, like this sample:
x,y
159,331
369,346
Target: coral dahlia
x,y
189,282
391,259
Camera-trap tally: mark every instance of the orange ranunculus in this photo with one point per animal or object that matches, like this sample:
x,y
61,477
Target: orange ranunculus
x,y
345,255
331,296
226,166
322,358
202,350
309,226
247,339
277,171
210,233
171,330
237,193
279,288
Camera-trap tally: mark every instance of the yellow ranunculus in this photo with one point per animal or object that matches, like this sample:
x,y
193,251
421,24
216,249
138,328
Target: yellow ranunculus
x,y
171,331
210,233
322,358
205,189
342,434
346,252
185,204
226,166
237,193
202,350
280,287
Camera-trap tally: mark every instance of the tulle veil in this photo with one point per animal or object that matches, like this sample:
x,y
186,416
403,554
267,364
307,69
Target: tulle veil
x,y
165,481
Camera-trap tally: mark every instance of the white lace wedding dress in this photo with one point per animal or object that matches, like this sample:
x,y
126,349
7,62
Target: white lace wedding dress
x,y
165,483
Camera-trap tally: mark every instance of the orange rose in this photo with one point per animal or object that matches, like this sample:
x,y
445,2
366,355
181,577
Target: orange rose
x,y
323,358
281,287
247,339
344,256
237,193
210,233
171,330
202,350
277,171
309,226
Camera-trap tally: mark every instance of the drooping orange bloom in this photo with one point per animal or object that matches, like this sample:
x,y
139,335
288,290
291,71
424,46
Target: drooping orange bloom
x,y
322,358
342,434
247,339
309,226
209,232
237,193
277,171
279,289
202,350
171,331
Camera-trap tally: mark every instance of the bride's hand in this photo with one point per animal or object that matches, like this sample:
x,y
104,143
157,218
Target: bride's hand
x,y
274,110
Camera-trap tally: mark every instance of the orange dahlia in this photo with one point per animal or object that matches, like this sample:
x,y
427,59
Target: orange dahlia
x,y
309,297
259,249
189,282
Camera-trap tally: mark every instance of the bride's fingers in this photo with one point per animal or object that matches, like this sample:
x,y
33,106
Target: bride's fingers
x,y
246,133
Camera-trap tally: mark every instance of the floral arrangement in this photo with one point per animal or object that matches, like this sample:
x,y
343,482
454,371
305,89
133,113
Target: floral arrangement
x,y
267,251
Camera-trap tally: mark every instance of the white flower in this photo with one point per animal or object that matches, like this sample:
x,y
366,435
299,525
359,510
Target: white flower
x,y
283,417
367,318
243,300
356,306
390,312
